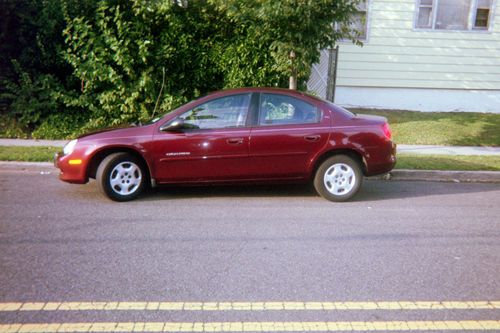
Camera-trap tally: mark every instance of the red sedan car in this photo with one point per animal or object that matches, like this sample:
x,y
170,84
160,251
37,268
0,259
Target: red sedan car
x,y
240,135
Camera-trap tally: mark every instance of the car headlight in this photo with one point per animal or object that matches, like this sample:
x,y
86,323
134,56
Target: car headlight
x,y
70,146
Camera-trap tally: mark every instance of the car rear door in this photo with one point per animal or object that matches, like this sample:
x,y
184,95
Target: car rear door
x,y
287,136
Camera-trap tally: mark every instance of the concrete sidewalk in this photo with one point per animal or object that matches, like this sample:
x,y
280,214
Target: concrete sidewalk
x,y
32,143
412,149
448,150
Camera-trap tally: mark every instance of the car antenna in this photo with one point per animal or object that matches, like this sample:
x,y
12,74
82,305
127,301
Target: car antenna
x,y
161,90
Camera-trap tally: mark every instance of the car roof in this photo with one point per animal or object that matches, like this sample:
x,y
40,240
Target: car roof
x,y
263,90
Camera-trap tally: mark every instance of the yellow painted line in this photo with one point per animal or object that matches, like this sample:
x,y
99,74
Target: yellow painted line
x,y
248,306
361,326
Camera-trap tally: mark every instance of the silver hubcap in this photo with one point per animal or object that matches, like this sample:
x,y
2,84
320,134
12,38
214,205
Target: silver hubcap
x,y
339,179
125,178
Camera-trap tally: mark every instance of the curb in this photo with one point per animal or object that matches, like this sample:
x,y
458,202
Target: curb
x,y
26,164
394,175
448,150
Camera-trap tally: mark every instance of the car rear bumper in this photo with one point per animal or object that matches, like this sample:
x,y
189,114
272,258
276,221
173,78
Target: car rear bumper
x,y
381,160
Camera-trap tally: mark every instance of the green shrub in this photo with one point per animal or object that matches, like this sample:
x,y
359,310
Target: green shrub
x,y
10,128
60,126
30,98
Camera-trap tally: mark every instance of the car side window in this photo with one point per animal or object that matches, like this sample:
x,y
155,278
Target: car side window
x,y
225,112
281,109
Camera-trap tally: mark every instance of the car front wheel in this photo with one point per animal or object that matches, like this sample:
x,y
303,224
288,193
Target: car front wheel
x,y
121,177
338,178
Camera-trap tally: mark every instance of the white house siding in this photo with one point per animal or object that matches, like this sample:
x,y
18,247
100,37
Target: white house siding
x,y
400,67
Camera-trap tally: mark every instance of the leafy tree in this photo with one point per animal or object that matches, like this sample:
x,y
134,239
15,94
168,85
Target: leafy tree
x,y
274,39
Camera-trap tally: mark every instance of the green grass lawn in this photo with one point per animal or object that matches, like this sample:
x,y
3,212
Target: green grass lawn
x,y
28,154
442,128
448,162
405,161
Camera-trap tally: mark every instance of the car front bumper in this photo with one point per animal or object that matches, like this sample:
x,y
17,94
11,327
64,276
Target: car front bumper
x,y
72,170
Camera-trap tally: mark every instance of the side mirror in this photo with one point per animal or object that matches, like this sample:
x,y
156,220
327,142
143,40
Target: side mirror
x,y
175,126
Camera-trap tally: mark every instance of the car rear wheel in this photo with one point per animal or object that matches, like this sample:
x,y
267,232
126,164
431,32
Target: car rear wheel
x,y
121,177
338,178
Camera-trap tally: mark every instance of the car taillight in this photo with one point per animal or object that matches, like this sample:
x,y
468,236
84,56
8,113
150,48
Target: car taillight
x,y
387,131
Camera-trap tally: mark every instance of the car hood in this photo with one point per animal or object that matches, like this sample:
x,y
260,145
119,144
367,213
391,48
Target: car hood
x,y
117,132
105,130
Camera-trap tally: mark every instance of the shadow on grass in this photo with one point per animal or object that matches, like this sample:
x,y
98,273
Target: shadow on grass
x,y
451,162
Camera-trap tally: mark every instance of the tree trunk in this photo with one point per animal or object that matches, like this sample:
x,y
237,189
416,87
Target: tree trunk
x,y
293,81
293,74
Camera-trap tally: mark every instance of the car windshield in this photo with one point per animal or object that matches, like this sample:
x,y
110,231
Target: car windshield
x,y
155,119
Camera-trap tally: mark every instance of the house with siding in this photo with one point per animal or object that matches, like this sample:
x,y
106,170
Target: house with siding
x,y
424,55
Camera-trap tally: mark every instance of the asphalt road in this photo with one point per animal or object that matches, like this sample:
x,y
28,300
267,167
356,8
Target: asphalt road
x,y
290,256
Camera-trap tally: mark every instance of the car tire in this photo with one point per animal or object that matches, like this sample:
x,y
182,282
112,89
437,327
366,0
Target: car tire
x,y
338,178
121,177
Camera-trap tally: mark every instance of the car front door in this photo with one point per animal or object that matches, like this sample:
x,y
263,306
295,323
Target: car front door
x,y
211,144
288,135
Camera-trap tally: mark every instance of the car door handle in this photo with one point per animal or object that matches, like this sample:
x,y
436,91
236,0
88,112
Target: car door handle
x,y
235,141
312,138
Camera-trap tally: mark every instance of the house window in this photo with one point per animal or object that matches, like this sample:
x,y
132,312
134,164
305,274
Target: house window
x,y
454,14
424,14
482,14
360,19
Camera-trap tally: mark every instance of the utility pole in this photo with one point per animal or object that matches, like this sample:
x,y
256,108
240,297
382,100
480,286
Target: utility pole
x,y
331,83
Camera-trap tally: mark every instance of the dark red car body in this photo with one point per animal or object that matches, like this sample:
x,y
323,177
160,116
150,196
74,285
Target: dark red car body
x,y
281,152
